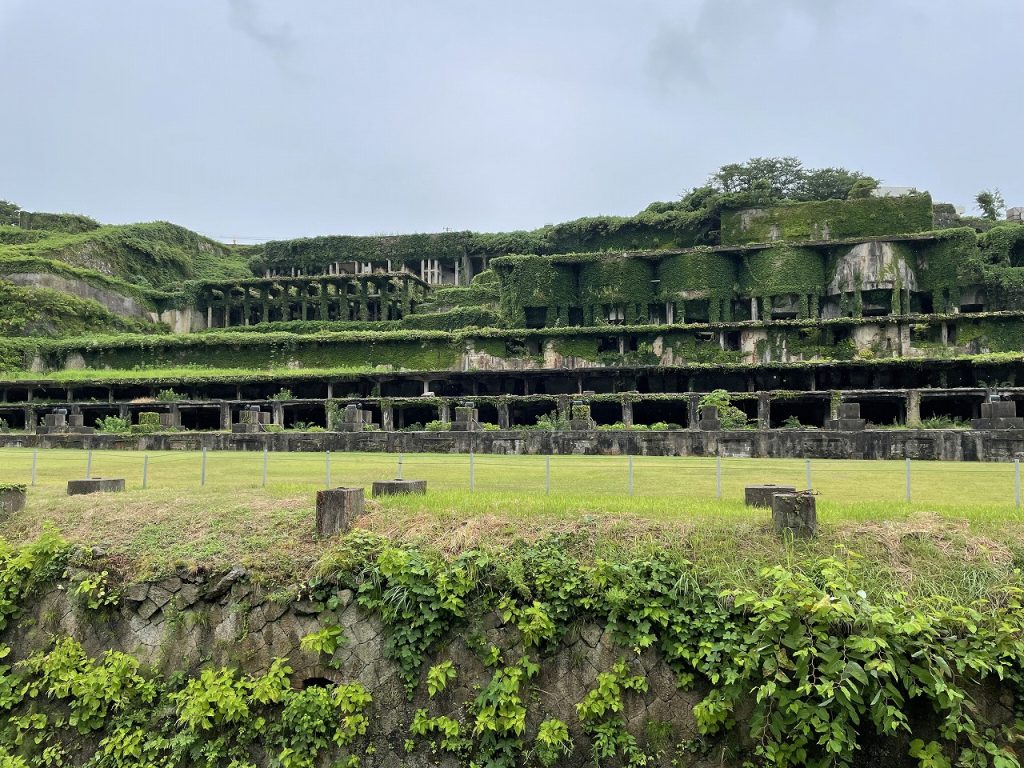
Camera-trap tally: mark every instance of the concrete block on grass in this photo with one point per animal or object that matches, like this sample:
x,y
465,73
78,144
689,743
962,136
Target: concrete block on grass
x,y
795,514
397,487
96,485
337,509
761,495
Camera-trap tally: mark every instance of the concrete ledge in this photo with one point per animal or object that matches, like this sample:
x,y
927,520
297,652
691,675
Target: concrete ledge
x,y
396,487
95,485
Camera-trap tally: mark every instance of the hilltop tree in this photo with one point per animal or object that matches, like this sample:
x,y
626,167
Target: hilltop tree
x,y
991,203
771,179
8,212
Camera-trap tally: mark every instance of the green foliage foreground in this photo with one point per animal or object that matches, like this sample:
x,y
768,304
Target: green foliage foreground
x,y
807,666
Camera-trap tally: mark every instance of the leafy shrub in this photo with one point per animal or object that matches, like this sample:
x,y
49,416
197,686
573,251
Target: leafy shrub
x,y
437,426
729,416
167,396
112,424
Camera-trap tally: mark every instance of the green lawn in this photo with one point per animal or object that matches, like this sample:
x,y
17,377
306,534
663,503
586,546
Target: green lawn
x,y
960,534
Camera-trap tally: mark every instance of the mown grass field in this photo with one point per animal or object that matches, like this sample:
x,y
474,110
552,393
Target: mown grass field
x,y
961,534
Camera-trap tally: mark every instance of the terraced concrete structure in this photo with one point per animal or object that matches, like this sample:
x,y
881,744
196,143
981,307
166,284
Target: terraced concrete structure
x,y
887,303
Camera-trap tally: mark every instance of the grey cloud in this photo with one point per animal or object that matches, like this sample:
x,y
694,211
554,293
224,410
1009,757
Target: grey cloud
x,y
247,18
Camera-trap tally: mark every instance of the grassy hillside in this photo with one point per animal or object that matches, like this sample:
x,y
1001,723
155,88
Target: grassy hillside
x,y
155,255
26,311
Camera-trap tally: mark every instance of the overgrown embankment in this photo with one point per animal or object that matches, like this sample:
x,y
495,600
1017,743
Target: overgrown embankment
x,y
565,651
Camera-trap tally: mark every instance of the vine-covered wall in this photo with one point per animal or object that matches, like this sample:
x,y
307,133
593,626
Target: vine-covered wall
x,y
829,220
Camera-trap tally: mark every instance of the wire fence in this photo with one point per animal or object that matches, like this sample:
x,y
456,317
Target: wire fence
x,y
923,483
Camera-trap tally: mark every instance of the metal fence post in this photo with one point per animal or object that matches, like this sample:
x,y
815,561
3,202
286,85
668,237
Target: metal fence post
x,y
266,455
1016,481
472,475
807,468
630,458
328,470
547,475
908,480
88,465
145,471
401,460
202,469
35,461
718,476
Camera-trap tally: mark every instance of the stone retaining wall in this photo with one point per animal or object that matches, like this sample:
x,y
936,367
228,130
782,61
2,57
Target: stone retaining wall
x,y
928,444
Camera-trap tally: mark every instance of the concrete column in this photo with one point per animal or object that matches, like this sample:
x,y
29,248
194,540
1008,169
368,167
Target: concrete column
x,y
444,413
277,408
426,386
209,317
764,410
31,420
225,417
110,394
387,418
914,408
122,411
627,413
71,395
227,317
504,418
692,416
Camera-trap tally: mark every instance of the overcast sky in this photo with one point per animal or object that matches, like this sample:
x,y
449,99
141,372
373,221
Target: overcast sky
x,y
252,119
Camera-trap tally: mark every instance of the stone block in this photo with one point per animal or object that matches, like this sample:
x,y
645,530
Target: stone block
x,y
849,410
396,487
337,509
582,425
761,495
846,425
709,425
12,499
999,422
244,428
708,412
96,485
999,409
76,420
795,514
55,420
170,420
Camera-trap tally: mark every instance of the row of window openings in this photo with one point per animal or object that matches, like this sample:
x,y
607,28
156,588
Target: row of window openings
x,y
698,311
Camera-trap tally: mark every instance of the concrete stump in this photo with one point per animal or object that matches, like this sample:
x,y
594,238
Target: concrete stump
x,y
95,485
12,499
795,514
396,487
761,495
337,509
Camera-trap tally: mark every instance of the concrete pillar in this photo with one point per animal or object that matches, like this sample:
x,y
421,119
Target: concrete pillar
x,y
330,390
504,417
225,417
31,420
227,317
914,408
444,413
764,410
209,317
277,408
122,411
71,395
387,418
426,386
110,394
692,415
627,413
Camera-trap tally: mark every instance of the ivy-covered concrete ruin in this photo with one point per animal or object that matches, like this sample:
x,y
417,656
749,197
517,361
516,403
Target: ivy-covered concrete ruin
x,y
892,303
